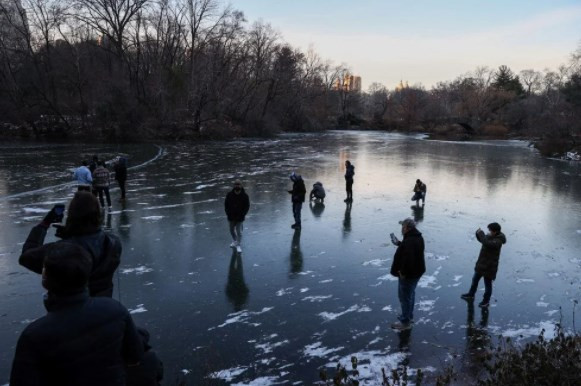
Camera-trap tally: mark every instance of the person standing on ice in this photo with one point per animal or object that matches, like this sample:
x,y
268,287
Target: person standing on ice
x,y
297,193
487,263
349,173
408,266
83,177
236,206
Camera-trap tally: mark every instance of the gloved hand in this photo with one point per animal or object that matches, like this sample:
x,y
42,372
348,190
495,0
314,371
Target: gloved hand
x,y
55,215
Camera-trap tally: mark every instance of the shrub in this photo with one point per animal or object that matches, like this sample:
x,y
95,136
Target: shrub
x,y
494,130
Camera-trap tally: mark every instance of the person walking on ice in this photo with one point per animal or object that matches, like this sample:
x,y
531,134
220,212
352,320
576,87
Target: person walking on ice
x,y
236,206
487,263
349,173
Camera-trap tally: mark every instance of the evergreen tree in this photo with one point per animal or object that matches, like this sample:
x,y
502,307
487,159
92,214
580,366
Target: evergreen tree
x,y
507,81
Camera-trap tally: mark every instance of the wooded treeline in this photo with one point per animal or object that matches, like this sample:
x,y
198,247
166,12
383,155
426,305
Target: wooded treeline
x,y
133,69
128,68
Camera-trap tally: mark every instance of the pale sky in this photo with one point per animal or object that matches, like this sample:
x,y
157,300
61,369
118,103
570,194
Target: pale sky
x,y
425,41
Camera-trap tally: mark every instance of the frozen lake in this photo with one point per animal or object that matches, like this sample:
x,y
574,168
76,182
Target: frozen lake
x,y
293,303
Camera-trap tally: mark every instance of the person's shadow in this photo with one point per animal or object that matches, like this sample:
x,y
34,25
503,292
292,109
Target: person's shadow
x,y
318,208
404,340
236,288
418,213
347,220
296,255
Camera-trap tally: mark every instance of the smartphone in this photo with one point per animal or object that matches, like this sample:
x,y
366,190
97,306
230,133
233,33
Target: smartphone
x,y
59,209
393,238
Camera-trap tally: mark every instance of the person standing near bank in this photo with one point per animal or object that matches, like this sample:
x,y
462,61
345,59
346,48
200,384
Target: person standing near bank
x,y
408,266
487,263
297,193
236,206
349,173
120,169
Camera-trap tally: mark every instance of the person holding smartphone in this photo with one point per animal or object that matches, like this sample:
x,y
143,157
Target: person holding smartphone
x,y
82,227
408,266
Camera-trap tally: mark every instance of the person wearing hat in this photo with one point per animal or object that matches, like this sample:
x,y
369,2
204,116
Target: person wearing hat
x,y
81,340
236,206
487,263
408,266
297,193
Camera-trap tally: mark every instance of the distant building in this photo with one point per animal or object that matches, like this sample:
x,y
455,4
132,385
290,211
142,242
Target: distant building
x,y
13,26
401,86
348,83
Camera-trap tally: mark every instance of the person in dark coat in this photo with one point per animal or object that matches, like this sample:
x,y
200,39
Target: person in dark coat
x,y
408,266
236,206
298,194
120,169
487,263
349,173
420,190
82,227
82,340
318,192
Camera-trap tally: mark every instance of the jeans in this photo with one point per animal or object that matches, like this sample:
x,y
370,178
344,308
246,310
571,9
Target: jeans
x,y
236,231
297,207
487,287
407,298
105,190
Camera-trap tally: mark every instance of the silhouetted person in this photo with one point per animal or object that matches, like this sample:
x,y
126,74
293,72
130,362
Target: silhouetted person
x,y
408,266
318,192
82,340
120,169
150,370
83,177
82,227
487,263
296,255
236,206
418,213
236,288
101,183
420,191
297,193
317,208
92,166
349,174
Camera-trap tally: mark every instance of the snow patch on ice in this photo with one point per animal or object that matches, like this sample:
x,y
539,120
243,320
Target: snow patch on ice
x,y
242,317
375,263
370,364
262,381
317,299
139,309
228,375
387,308
428,281
152,218
269,347
426,305
328,316
388,277
139,270
303,290
317,350
284,291
524,280
326,281
527,331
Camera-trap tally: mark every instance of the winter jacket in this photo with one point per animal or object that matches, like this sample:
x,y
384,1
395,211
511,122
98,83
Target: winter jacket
x,y
121,171
422,188
81,341
101,177
409,256
105,251
299,190
236,205
83,176
349,172
318,191
487,264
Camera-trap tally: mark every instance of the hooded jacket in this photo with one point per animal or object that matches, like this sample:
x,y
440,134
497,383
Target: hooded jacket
x,y
409,256
81,341
318,191
299,190
236,205
105,250
487,263
350,172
